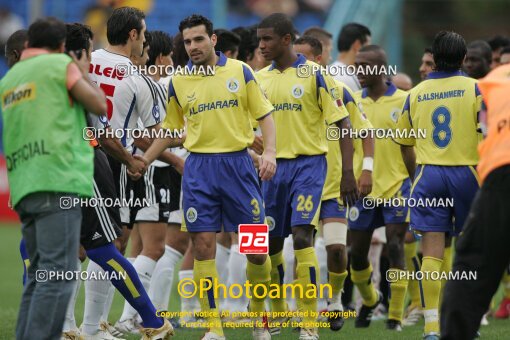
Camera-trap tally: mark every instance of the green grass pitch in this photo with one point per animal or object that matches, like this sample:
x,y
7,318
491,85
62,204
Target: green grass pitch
x,y
11,290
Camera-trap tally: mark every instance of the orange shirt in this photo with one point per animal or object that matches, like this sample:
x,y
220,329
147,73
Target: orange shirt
x,y
495,149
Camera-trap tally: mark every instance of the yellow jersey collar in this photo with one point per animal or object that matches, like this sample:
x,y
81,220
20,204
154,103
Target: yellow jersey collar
x,y
222,60
299,61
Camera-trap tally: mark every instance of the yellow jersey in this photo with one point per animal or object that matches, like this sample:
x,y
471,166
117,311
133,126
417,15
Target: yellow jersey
x,y
444,109
302,105
217,107
359,121
389,169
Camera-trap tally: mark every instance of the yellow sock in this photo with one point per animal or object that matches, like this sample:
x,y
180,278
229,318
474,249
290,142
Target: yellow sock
x,y
307,272
446,267
207,270
412,265
336,281
363,281
277,273
430,290
397,297
506,284
258,274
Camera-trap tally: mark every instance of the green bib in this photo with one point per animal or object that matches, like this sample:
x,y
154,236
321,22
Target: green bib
x,y
43,130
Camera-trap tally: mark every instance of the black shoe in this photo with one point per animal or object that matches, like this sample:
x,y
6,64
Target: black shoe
x,y
365,313
394,325
336,322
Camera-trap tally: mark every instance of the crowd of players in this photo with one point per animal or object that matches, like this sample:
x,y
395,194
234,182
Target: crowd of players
x,y
308,188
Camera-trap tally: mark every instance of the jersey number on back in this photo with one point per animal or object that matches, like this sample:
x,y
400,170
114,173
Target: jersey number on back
x,y
108,90
442,133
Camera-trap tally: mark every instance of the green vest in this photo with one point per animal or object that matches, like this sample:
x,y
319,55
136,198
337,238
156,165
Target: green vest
x,y
43,130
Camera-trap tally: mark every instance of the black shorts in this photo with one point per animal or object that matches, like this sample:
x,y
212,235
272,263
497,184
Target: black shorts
x,y
100,222
123,187
155,195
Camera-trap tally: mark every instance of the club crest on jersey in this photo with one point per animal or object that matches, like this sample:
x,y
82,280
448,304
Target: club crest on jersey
x,y
270,222
298,91
233,85
394,114
353,213
335,93
103,120
191,215
155,112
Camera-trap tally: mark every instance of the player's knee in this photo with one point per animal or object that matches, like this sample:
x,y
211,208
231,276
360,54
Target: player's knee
x,y
154,252
335,250
335,233
395,249
302,241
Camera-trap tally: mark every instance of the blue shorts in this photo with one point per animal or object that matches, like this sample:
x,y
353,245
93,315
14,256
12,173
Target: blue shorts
x,y
220,190
293,195
454,184
371,217
332,208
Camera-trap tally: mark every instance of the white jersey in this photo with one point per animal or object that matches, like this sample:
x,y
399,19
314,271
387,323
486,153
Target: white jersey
x,y
159,95
179,151
128,96
344,76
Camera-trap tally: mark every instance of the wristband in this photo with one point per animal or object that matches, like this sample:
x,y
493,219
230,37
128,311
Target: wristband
x,y
368,164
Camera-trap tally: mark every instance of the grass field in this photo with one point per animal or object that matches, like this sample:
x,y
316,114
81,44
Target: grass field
x,y
11,289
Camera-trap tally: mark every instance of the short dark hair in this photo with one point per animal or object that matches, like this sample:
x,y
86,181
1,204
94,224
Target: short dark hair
x,y
314,43
16,42
179,55
350,33
483,47
498,42
161,43
505,50
227,40
281,24
318,33
196,20
148,40
428,50
375,48
249,42
78,37
47,33
449,50
121,22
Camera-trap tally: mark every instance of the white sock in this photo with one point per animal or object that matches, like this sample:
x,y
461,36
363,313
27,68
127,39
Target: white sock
x,y
70,321
322,258
162,278
236,275
222,257
288,257
108,303
96,293
188,304
144,267
131,259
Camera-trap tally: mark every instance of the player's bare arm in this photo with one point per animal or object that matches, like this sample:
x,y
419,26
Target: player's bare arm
x,y
267,162
348,187
365,180
409,157
86,93
258,145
